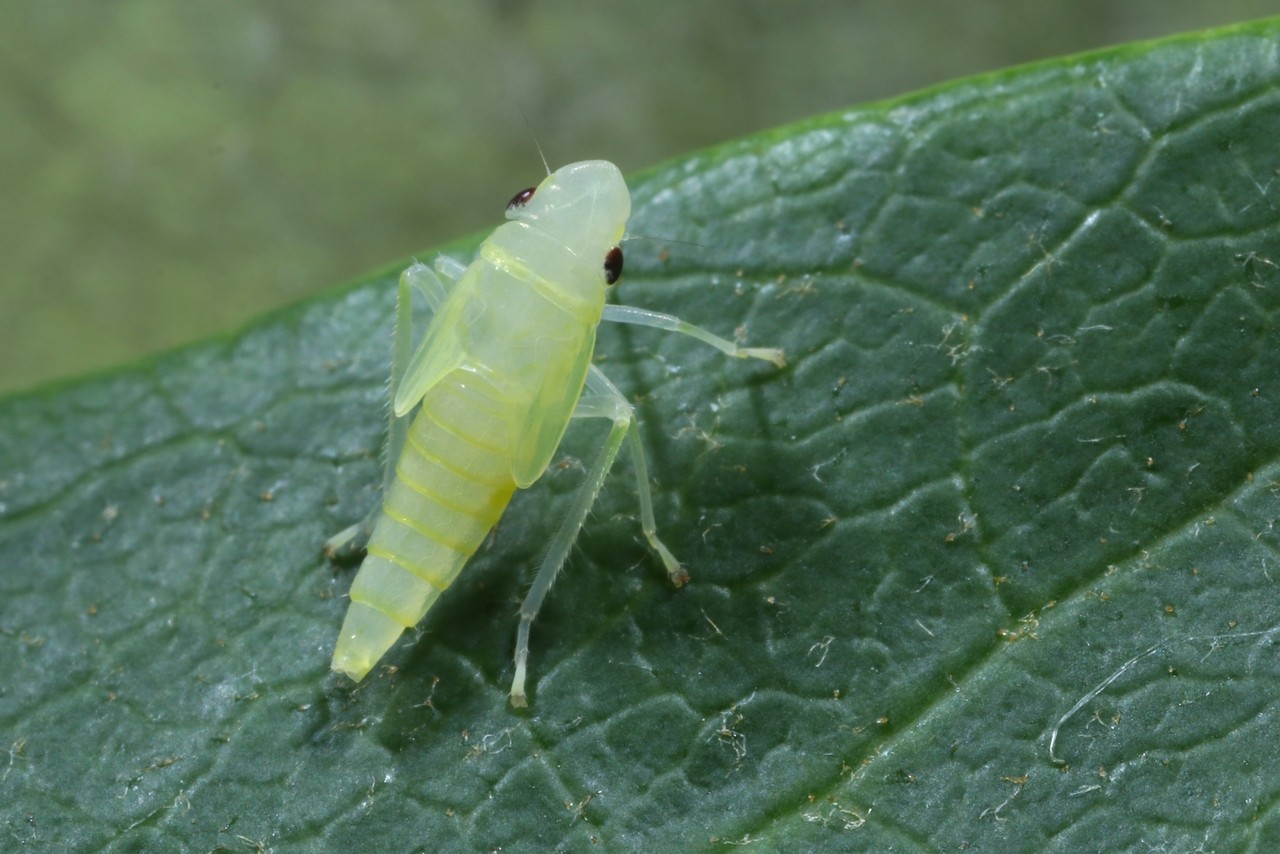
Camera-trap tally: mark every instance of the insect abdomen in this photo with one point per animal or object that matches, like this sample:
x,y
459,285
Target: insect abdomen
x,y
453,481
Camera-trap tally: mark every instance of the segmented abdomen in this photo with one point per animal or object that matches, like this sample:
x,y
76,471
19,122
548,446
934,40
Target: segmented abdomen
x,y
453,480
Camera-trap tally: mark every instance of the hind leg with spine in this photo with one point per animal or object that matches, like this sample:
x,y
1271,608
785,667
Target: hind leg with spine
x,y
603,401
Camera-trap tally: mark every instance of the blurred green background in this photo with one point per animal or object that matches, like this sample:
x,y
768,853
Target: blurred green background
x,y
172,169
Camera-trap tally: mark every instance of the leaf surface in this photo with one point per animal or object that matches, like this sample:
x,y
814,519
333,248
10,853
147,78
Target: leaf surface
x,y
989,564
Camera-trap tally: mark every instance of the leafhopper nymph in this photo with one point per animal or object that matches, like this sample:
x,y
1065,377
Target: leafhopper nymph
x,y
505,364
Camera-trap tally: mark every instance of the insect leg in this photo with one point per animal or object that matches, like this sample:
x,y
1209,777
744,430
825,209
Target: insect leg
x,y
427,283
658,320
605,390
420,277
451,268
603,401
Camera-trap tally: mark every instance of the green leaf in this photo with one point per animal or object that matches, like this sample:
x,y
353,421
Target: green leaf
x,y
989,564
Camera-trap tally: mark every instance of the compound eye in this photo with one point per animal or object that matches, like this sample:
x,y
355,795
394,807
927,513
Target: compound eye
x,y
521,198
612,265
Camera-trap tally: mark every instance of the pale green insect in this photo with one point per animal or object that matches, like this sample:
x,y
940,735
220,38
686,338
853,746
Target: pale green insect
x,y
499,374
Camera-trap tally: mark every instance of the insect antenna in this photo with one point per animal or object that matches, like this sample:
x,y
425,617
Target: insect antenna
x,y
534,134
630,236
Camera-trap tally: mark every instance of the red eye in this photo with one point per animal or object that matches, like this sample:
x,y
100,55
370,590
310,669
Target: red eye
x,y
521,198
612,265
